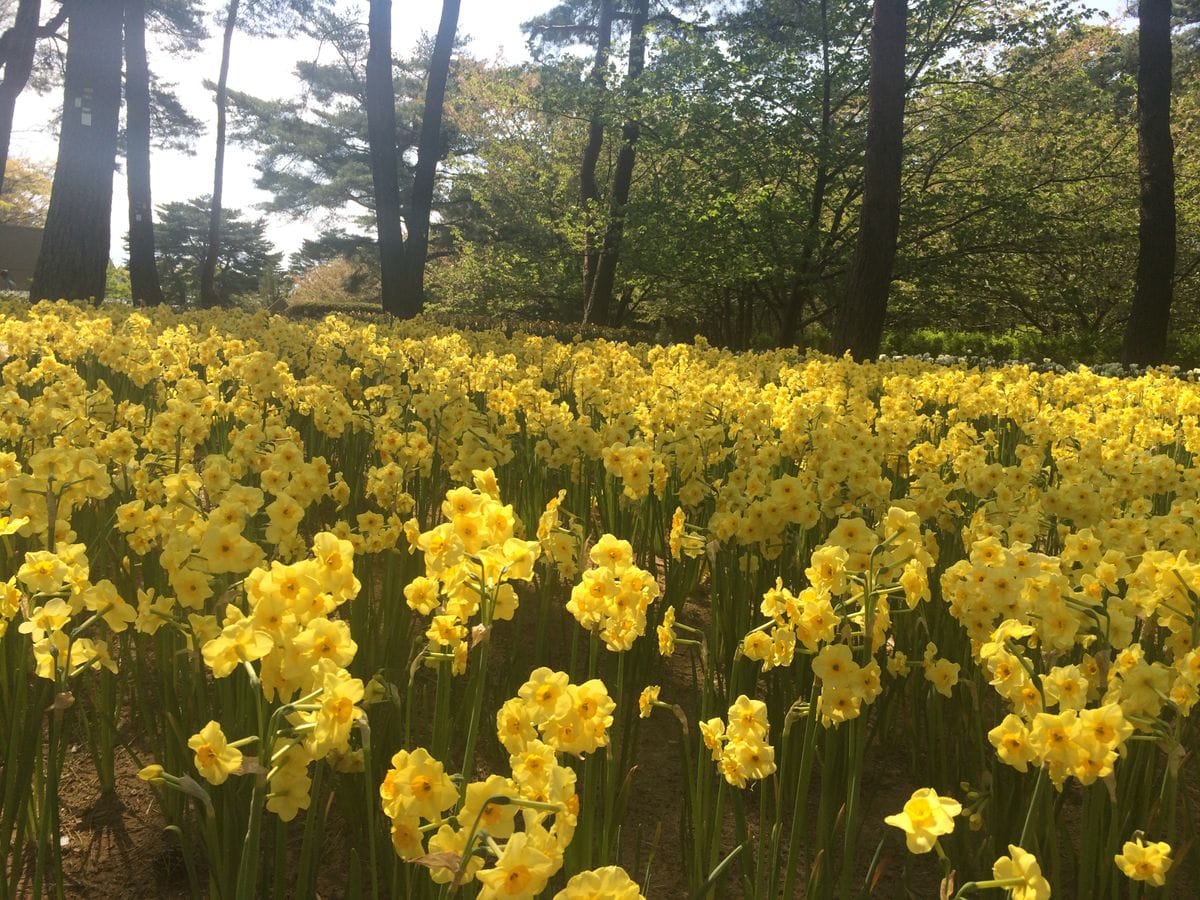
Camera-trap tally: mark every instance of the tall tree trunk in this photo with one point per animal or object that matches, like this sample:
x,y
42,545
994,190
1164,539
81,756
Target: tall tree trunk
x,y
385,157
208,267
429,151
73,262
801,289
589,190
19,42
143,271
596,311
1149,319
859,326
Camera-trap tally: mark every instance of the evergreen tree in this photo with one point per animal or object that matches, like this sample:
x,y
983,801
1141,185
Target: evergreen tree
x,y
73,262
151,111
385,157
431,147
1149,319
18,45
257,17
181,240
859,326
143,276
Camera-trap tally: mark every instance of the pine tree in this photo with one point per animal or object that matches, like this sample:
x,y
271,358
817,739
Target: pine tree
x,y
73,262
859,326
1149,319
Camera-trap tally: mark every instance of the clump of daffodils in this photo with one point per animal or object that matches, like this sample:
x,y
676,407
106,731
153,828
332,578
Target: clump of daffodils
x,y
612,597
472,561
307,652
551,712
1073,741
301,652
740,748
808,619
415,789
846,686
850,580
480,831
561,543
63,605
289,624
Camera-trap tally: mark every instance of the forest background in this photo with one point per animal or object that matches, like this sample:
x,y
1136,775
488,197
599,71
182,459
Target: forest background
x,y
744,130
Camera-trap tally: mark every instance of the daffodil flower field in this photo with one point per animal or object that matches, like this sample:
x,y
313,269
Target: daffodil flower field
x,y
443,600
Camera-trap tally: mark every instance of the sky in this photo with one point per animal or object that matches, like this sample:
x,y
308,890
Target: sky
x,y
264,68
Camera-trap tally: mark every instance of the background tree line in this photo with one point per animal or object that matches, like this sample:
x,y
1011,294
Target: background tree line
x,y
760,171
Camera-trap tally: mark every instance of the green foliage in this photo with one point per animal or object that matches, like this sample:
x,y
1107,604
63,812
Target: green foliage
x,y
117,286
1026,212
329,246
1019,186
515,234
26,196
312,148
1028,345
337,283
246,263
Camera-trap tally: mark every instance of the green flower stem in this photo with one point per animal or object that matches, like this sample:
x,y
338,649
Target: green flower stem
x,y
369,799
807,754
479,679
442,718
986,885
1033,804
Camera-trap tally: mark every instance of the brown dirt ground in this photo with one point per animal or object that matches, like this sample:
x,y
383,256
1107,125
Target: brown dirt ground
x,y
115,846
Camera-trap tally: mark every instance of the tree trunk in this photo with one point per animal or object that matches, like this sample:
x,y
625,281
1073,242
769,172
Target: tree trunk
x,y
589,190
859,326
385,157
143,271
1149,319
596,310
73,262
429,151
208,267
19,43
801,290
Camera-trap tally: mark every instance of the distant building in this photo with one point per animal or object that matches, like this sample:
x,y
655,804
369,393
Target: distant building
x,y
19,248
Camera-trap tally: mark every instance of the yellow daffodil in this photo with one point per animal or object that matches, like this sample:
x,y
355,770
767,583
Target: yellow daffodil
x,y
1022,875
925,816
215,759
1141,861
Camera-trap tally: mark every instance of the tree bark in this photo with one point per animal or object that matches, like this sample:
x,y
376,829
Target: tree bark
x,y
429,151
208,267
596,310
143,271
801,289
385,157
73,262
589,190
1149,319
19,43
859,325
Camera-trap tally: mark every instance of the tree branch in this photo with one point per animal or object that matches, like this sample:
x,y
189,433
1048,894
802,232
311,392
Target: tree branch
x,y
55,22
